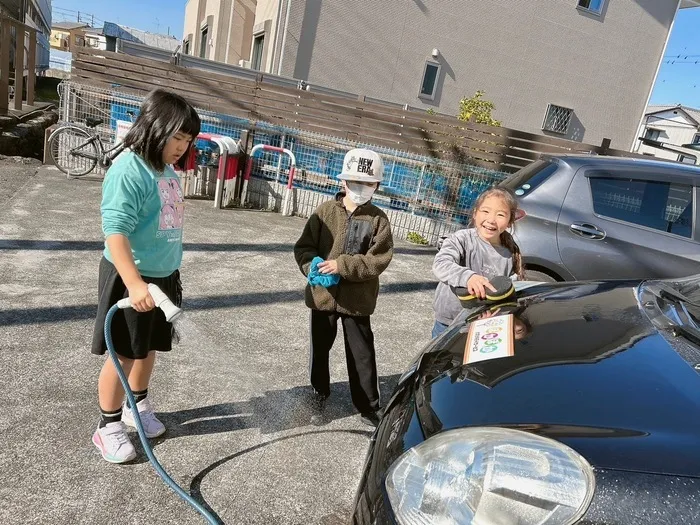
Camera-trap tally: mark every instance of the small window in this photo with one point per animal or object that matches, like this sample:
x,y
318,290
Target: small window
x,y
696,140
594,6
431,74
528,178
686,159
557,119
258,47
186,47
662,206
204,41
652,134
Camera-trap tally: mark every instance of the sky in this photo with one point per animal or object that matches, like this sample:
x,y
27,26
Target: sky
x,y
677,83
149,15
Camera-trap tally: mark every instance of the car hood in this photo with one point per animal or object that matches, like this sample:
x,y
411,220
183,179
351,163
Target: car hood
x,y
592,372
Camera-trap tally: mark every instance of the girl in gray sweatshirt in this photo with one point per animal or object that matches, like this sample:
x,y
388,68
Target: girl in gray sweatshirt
x,y
471,257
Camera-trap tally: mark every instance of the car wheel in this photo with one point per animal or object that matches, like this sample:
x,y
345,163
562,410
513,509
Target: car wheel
x,y
540,277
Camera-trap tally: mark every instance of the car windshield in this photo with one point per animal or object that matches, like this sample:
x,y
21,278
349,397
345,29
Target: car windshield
x,y
528,178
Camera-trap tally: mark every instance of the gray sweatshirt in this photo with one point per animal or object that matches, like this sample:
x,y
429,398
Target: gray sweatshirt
x,y
462,255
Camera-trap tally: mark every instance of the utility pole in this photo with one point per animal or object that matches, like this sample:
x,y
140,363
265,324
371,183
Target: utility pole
x,y
78,16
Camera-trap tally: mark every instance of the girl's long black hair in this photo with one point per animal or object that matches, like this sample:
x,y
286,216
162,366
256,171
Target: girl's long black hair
x,y
163,114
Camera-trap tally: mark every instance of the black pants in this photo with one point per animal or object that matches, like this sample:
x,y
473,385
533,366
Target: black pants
x,y
359,355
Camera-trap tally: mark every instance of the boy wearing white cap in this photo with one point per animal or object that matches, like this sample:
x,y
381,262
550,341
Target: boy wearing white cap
x,y
353,237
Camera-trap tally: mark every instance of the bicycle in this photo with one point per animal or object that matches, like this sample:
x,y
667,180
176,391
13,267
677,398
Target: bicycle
x,y
76,149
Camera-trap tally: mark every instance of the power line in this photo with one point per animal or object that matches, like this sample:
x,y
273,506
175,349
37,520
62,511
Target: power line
x,y
674,62
78,16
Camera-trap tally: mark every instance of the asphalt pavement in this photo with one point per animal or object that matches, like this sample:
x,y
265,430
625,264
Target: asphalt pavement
x,y
232,393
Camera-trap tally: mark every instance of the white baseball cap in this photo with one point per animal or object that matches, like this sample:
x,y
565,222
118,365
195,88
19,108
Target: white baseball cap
x,y
362,165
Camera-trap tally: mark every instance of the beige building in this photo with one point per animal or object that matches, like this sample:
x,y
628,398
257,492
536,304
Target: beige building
x,y
577,69
266,46
220,30
66,36
36,14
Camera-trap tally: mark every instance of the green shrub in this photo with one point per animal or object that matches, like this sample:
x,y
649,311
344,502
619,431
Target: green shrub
x,y
416,238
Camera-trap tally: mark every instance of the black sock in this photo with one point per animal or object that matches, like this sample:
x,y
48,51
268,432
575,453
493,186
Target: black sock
x,y
109,417
138,396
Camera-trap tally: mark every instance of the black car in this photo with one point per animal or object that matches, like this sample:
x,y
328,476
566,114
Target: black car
x,y
592,416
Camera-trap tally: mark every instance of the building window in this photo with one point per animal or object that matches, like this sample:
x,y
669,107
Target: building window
x,y
186,47
652,134
557,119
663,206
258,47
204,40
431,74
696,140
594,6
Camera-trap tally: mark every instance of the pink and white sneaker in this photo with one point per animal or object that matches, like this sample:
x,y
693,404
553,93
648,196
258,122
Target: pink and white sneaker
x,y
150,422
113,443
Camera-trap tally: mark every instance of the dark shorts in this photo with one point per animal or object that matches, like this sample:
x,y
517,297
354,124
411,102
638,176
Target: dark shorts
x,y
134,334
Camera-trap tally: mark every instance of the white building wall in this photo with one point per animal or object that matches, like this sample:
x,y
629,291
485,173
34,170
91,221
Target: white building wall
x,y
676,129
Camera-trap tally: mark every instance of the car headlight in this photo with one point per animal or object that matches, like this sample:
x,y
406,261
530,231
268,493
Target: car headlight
x,y
490,476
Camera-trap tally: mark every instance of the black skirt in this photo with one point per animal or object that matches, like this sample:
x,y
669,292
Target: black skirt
x,y
134,334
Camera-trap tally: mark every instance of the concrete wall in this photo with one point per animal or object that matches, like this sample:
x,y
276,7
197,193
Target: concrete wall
x,y
230,24
266,15
190,25
525,54
195,14
241,31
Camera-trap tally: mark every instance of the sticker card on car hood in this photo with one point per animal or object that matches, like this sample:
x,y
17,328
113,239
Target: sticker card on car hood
x,y
490,338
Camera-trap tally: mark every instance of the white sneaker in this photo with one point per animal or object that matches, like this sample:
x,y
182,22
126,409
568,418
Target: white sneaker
x,y
151,425
114,443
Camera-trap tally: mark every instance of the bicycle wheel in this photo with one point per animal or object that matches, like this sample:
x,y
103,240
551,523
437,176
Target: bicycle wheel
x,y
73,150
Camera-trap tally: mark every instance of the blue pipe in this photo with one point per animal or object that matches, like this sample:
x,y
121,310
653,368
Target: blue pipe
x,y
139,426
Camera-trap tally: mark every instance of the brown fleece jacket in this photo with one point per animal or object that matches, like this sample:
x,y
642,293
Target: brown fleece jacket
x,y
363,246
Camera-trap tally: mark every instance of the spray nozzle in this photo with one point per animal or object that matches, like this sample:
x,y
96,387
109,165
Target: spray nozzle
x,y
161,301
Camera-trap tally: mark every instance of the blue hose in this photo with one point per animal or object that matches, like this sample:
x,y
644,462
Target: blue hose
x,y
139,426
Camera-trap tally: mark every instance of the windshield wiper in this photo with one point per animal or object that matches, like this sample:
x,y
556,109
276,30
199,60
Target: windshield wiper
x,y
686,321
669,292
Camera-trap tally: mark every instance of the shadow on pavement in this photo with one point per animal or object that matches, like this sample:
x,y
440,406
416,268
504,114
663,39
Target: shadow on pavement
x,y
275,411
49,245
54,314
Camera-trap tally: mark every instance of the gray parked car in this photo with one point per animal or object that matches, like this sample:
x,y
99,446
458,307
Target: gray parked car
x,y
595,217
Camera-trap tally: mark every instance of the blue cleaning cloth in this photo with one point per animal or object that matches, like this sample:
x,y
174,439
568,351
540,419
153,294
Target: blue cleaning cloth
x,y
319,279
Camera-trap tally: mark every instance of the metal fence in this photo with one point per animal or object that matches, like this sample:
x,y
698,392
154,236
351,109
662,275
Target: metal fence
x,y
419,194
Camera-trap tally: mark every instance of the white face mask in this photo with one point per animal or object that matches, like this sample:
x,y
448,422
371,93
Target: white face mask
x,y
359,193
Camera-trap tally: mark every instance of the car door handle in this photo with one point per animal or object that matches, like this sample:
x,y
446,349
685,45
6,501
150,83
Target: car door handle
x,y
589,231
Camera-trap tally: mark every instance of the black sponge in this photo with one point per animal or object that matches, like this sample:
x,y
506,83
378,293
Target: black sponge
x,y
504,290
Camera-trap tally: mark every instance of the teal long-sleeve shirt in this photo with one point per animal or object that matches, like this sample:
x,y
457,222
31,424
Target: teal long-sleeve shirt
x,y
147,207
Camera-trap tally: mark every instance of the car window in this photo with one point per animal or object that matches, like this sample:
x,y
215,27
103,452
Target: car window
x,y
527,179
660,205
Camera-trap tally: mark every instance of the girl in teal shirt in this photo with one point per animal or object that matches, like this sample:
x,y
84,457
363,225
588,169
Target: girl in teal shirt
x,y
142,218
